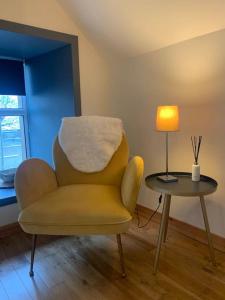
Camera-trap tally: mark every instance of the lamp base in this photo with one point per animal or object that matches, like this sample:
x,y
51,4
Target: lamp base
x,y
167,178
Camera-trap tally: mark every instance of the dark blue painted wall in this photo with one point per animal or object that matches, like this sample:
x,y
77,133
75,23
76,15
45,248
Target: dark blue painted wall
x,y
11,77
23,46
50,97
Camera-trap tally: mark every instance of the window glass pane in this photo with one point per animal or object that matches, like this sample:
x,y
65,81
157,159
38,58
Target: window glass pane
x,y
12,142
7,101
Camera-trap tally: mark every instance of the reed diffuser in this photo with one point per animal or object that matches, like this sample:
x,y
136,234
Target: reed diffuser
x,y
196,144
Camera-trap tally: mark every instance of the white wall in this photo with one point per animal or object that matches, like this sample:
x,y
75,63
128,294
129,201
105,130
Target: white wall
x,y
95,66
192,75
8,214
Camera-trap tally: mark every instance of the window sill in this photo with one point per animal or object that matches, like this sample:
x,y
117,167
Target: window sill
x,y
7,196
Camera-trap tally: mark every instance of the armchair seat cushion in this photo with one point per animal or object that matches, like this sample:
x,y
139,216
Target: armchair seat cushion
x,y
77,209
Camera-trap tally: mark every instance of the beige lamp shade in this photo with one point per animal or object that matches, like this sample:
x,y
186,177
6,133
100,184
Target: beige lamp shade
x,y
167,118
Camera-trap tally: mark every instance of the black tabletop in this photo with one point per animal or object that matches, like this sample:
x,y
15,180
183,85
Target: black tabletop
x,y
184,186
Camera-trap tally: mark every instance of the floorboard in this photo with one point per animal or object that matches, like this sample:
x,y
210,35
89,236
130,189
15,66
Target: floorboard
x,y
83,268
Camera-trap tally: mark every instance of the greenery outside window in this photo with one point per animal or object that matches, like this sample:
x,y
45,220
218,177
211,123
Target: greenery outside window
x,y
13,131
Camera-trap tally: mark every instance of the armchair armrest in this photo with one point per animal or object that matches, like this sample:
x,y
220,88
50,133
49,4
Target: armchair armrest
x,y
131,182
33,179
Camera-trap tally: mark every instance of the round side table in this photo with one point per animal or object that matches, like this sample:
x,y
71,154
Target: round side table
x,y
183,187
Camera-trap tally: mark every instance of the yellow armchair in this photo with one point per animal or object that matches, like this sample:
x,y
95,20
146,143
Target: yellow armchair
x,y
65,201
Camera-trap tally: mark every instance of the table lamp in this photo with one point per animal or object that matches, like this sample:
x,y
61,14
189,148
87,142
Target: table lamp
x,y
167,120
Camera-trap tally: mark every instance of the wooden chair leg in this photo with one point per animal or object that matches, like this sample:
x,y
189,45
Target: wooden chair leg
x,y
34,240
120,249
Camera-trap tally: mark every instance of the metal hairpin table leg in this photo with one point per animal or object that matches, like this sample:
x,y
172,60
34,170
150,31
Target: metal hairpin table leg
x,y
167,217
204,212
161,232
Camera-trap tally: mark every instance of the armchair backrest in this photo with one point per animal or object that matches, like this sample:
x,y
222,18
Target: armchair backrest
x,y
112,174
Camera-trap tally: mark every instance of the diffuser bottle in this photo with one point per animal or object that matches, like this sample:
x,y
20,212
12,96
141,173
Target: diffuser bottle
x,y
196,144
195,172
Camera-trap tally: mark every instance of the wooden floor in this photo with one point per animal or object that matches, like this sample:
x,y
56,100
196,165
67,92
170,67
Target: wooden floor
x,y
88,268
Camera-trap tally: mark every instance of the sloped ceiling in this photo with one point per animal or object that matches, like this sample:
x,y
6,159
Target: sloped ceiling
x,y
134,27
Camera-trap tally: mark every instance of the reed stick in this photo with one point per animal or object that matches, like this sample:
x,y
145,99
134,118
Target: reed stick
x,y
196,144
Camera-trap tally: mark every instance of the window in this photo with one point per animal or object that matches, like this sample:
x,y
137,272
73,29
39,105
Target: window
x,y
13,128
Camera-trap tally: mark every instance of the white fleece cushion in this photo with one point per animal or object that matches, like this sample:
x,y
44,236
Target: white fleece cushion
x,y
89,142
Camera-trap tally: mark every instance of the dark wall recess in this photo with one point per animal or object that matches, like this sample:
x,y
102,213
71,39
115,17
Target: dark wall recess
x,y
49,80
52,82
